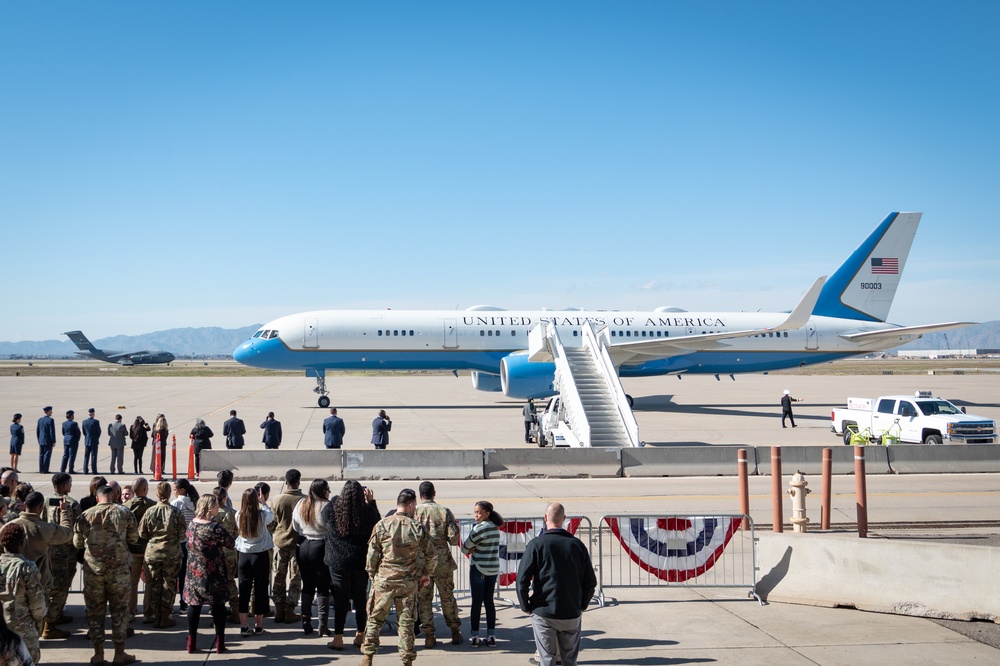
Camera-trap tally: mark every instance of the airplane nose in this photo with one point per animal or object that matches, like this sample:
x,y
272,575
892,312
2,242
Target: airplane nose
x,y
244,353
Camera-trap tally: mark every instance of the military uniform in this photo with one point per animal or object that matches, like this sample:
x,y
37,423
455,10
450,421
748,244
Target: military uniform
x,y
62,557
105,531
39,537
163,525
23,599
442,528
399,552
285,562
138,506
227,519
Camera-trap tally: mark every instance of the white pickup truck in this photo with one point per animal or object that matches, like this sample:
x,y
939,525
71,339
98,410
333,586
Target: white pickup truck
x,y
917,419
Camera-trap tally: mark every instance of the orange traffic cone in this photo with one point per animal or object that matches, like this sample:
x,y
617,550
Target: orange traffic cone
x,y
157,462
191,472
173,454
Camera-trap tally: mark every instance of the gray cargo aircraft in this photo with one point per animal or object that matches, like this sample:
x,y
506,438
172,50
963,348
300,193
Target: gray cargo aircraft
x,y
88,350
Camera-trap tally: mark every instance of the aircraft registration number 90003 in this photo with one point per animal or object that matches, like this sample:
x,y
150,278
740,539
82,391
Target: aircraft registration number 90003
x,y
871,285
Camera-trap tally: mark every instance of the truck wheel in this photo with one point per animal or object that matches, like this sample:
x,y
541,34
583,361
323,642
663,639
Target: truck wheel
x,y
933,440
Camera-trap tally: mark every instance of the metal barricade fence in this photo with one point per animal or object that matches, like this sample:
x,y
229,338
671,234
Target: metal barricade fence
x,y
661,550
515,534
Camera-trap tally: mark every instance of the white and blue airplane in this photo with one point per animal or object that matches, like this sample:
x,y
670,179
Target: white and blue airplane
x,y
838,317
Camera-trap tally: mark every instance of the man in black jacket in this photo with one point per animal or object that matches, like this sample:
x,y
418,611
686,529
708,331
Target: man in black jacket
x,y
557,568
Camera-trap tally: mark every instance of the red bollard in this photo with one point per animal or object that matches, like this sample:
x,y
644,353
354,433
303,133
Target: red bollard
x,y
741,470
777,520
157,463
191,472
861,491
824,520
173,454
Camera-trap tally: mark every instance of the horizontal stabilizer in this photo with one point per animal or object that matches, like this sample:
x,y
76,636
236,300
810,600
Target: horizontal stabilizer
x,y
890,334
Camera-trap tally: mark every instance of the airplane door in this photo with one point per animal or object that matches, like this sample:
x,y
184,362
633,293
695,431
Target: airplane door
x,y
450,334
812,337
310,335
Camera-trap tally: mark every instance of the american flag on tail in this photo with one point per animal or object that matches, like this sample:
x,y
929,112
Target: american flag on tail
x,y
885,266
514,537
674,549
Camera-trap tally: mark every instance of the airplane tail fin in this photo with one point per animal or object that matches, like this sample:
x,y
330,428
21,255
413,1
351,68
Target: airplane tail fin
x,y
82,343
864,286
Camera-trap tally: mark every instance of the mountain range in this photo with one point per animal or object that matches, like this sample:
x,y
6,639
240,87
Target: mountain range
x,y
215,341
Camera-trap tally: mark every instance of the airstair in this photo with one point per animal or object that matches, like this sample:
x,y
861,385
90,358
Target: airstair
x,y
593,409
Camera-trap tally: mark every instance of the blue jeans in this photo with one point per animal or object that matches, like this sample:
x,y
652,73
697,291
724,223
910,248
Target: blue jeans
x,y
482,595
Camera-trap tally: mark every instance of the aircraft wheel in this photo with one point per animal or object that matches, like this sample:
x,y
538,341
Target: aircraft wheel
x,y
631,402
324,401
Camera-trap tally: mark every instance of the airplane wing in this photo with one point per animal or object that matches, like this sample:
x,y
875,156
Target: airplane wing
x,y
902,333
117,356
663,347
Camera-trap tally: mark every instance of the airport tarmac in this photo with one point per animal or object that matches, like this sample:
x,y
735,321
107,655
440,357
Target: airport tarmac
x,y
641,626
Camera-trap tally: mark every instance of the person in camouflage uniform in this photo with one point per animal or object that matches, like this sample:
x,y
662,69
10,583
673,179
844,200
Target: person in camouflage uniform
x,y
285,559
105,532
164,528
400,560
227,518
41,535
138,505
21,593
442,528
62,558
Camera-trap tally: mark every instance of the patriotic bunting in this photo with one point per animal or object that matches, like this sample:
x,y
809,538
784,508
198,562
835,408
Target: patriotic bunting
x,y
674,549
514,537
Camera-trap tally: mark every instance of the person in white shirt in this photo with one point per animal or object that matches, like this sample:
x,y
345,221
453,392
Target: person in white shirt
x,y
253,545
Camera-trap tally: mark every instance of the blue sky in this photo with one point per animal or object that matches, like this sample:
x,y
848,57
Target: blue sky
x,y
219,164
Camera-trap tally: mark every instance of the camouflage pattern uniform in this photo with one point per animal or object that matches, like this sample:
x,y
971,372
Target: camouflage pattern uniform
x,y
105,531
284,560
227,519
399,552
138,506
442,528
163,525
23,599
62,558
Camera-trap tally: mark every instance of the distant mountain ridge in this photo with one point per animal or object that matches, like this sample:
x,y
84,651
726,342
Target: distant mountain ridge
x,y
204,341
215,341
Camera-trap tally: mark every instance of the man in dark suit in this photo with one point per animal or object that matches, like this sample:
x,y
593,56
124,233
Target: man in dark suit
x,y
272,432
333,430
91,428
71,442
233,430
380,430
46,433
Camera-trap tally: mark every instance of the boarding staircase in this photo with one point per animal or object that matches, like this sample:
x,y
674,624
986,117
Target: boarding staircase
x,y
594,410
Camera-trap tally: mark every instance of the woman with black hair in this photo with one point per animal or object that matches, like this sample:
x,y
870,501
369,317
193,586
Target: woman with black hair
x,y
308,522
185,499
138,433
350,519
483,548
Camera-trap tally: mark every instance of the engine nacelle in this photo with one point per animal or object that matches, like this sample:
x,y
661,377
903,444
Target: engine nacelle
x,y
520,378
485,381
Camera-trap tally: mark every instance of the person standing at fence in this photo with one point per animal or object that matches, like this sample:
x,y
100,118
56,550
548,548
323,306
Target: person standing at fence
x,y
286,583
483,548
442,528
254,545
308,523
62,558
786,408
555,583
163,527
139,504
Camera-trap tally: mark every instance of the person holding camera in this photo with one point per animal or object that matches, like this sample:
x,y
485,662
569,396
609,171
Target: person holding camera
x,y
380,430
62,558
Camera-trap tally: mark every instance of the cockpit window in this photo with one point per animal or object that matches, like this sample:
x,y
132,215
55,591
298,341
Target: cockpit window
x,y
272,334
258,333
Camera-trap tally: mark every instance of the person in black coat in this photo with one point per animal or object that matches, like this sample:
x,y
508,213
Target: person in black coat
x,y
786,408
138,432
233,430
45,431
557,570
201,437
71,442
333,430
272,432
380,430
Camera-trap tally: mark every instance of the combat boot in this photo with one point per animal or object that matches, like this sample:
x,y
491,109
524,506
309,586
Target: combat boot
x,y
121,657
165,621
51,632
456,636
291,617
366,660
429,640
279,613
98,657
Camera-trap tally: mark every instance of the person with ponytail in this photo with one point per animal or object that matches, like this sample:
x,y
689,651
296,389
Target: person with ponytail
x,y
483,548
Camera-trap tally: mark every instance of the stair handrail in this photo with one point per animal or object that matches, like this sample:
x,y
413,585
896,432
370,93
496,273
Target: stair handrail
x,y
570,403
598,342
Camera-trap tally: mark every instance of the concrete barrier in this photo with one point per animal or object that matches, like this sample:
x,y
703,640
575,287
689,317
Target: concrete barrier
x,y
271,463
951,459
940,580
555,463
809,460
684,461
403,464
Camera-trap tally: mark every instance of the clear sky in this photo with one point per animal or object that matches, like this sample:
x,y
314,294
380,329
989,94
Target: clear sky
x,y
172,164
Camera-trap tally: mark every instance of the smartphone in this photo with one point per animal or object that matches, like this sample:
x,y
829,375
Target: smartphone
x,y
55,501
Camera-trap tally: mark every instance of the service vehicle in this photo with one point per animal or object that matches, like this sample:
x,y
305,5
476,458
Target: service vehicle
x,y
552,427
902,419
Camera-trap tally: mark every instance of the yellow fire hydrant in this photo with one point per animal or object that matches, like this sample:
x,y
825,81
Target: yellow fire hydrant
x,y
798,492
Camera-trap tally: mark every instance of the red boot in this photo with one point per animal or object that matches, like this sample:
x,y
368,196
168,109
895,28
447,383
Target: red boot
x,y
220,643
191,645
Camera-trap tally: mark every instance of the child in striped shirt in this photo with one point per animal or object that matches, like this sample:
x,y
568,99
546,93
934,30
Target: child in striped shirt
x,y
483,547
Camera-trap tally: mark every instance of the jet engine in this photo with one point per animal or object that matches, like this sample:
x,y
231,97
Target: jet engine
x,y
520,378
485,381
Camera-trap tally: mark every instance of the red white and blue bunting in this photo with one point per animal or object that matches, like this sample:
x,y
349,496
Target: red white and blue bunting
x,y
514,537
674,549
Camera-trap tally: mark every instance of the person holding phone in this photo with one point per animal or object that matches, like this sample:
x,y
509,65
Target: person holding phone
x,y
380,430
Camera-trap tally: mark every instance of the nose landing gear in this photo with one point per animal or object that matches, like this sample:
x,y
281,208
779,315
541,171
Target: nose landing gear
x,y
323,401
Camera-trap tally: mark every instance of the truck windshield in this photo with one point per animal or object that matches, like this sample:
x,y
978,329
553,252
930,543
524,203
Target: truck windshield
x,y
931,407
